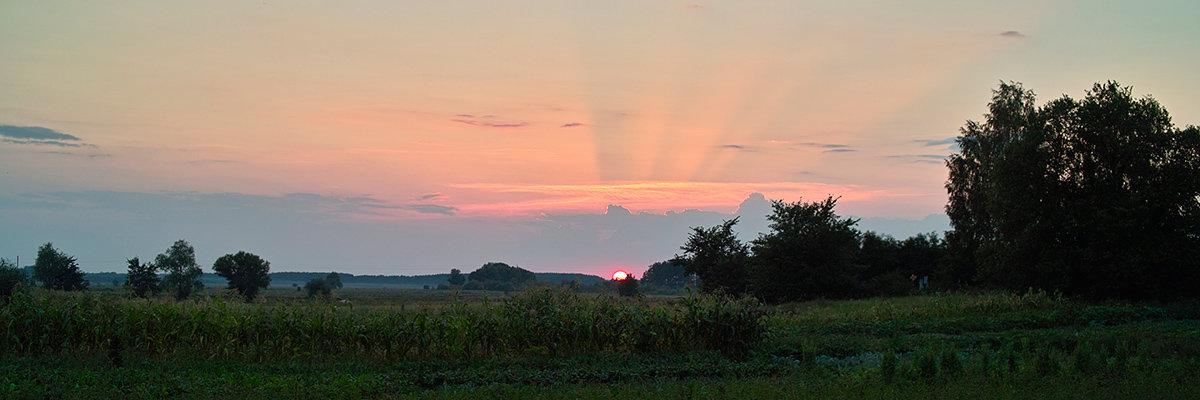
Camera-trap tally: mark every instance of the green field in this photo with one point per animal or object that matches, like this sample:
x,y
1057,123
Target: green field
x,y
554,344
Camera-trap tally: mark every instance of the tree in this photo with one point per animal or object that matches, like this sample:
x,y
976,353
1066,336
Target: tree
x,y
717,257
456,278
246,273
11,278
499,276
56,270
627,287
141,279
808,254
183,274
334,279
666,275
318,287
1097,197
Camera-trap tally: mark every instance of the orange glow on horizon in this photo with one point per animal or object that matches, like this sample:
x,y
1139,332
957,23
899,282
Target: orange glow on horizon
x,y
620,276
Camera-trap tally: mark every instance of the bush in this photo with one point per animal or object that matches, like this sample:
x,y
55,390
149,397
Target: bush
x,y
318,287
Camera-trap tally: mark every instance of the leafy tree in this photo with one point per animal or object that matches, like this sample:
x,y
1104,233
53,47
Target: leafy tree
x,y
318,287
666,274
141,279
1097,197
57,270
334,279
246,273
499,276
183,274
809,253
628,287
11,278
717,257
456,278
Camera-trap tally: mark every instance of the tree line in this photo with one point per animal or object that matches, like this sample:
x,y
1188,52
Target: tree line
x,y
1097,198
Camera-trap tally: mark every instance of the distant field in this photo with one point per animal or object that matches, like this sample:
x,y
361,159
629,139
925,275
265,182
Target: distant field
x,y
938,346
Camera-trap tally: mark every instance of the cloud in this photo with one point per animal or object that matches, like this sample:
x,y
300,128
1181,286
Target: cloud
x,y
1012,34
430,196
825,145
487,121
938,142
571,125
921,158
433,209
34,133
39,136
839,150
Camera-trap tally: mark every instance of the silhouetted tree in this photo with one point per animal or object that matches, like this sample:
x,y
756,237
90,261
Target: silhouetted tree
x,y
499,276
1097,197
246,273
183,274
666,275
809,253
456,278
56,270
318,287
141,279
717,257
11,278
334,280
628,287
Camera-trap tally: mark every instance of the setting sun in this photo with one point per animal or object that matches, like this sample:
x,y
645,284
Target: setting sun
x,y
620,276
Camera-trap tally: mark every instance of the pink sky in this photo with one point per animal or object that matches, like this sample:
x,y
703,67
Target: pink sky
x,y
480,119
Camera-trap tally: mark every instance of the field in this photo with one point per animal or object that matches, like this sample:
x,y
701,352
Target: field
x,y
388,343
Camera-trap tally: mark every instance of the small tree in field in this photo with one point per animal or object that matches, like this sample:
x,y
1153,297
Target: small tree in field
x,y
456,278
57,270
183,274
246,273
142,279
334,280
318,287
718,257
10,278
628,287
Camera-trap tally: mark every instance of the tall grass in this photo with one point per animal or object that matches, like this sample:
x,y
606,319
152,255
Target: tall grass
x,y
535,323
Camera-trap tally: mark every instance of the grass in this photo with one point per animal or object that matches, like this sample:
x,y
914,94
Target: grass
x,y
996,345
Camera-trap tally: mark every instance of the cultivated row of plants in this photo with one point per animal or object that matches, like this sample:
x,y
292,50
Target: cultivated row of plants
x,y
534,323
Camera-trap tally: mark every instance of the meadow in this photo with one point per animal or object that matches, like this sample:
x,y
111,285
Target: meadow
x,y
548,343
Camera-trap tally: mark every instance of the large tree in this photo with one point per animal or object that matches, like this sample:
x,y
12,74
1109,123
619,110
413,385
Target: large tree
x,y
499,276
1097,197
717,257
142,278
183,274
56,270
456,278
809,253
246,273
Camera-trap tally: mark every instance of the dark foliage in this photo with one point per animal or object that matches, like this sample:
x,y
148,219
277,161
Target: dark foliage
x,y
628,287
499,276
56,270
456,278
809,253
335,280
717,257
247,273
667,275
318,287
11,277
183,274
1097,197
142,279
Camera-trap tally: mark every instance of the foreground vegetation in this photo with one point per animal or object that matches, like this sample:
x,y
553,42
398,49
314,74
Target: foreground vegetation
x,y
939,346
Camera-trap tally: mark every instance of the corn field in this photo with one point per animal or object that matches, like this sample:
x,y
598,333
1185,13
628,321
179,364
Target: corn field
x,y
533,323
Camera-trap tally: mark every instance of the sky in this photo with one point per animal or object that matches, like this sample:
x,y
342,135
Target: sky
x,y
411,137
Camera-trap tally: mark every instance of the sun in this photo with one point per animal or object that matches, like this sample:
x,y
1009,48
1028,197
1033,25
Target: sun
x,y
620,276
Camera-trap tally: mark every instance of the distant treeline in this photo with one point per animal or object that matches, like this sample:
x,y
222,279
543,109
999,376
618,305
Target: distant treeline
x,y
300,278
